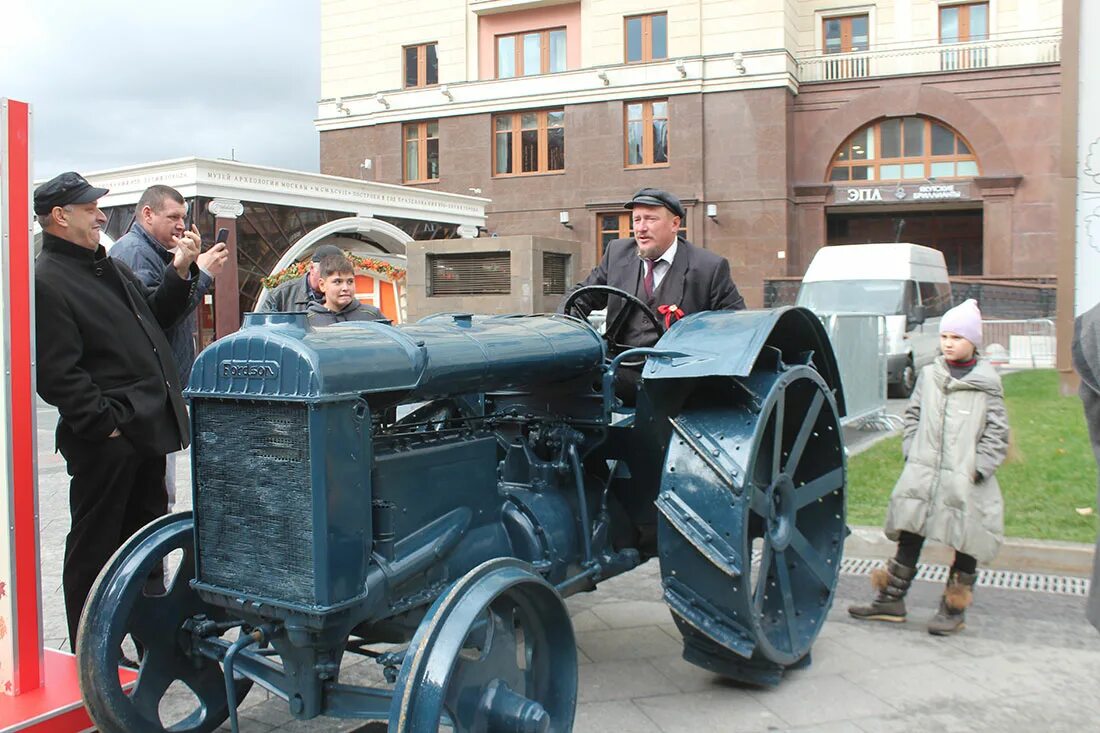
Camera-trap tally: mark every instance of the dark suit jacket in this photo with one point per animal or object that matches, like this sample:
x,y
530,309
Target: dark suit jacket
x,y
698,280
1086,360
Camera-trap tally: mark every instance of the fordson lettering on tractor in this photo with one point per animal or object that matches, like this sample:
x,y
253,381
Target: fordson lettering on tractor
x,y
261,369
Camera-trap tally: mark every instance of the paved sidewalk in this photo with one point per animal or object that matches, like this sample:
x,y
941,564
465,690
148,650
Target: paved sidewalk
x,y
1027,662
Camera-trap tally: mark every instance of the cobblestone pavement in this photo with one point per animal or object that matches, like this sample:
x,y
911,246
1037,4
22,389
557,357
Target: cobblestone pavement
x,y
1026,662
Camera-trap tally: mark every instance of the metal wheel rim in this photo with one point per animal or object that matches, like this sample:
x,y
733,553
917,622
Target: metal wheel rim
x,y
117,606
909,378
433,690
797,511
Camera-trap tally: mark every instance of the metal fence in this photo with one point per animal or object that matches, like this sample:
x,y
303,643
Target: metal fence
x,y
859,342
917,57
1020,344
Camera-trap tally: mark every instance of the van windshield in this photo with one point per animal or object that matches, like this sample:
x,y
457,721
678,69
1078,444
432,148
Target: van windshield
x,y
854,296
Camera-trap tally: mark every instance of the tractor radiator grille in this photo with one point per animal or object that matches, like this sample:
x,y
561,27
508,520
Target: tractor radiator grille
x,y
253,503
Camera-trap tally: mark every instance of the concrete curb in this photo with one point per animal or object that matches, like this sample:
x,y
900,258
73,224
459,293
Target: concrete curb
x,y
1022,555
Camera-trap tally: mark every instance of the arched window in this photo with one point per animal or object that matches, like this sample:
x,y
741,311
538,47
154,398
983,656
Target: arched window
x,y
903,149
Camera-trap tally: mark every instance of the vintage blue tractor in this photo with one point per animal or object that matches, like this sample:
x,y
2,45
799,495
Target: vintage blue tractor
x,y
427,496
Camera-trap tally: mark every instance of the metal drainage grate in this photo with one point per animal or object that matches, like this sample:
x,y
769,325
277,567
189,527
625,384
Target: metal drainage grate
x,y
1006,579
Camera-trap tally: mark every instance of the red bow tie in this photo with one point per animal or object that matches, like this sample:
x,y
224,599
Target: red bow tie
x,y
672,313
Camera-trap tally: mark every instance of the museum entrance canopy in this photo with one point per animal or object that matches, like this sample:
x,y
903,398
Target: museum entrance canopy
x,y
269,209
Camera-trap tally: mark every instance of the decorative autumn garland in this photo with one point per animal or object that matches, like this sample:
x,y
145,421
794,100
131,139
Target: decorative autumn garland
x,y
363,265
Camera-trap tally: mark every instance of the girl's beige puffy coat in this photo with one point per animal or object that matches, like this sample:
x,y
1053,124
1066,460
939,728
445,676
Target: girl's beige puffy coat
x,y
956,435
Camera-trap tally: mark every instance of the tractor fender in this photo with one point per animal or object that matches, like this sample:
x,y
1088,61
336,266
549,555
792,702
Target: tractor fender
x,y
728,343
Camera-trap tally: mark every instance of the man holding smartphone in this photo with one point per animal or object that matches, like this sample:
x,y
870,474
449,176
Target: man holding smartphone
x,y
147,248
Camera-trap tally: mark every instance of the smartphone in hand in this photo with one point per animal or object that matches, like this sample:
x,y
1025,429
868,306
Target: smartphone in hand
x,y
223,236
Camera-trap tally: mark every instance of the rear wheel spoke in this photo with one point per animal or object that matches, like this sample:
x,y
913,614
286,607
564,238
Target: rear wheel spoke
x,y
812,558
819,488
808,423
777,444
786,591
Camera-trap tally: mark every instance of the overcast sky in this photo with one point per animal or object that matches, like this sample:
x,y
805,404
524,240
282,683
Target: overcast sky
x,y
121,82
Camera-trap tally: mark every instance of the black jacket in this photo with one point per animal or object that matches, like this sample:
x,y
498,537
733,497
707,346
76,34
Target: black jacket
x,y
103,360
1086,360
698,280
293,296
319,315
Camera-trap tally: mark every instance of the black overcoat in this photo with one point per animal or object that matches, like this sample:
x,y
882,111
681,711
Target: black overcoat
x,y
1086,360
103,359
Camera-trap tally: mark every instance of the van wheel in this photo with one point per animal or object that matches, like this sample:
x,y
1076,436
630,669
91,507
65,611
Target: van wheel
x,y
904,387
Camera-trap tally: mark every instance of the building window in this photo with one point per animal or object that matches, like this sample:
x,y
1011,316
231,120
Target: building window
x,y
613,225
529,53
964,24
646,38
421,65
903,149
619,225
555,273
470,273
421,151
646,133
528,142
844,35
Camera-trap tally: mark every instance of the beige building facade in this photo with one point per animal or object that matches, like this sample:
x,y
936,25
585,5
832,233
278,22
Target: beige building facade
x,y
784,125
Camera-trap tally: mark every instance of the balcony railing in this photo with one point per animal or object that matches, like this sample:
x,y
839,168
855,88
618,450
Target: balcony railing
x,y
901,59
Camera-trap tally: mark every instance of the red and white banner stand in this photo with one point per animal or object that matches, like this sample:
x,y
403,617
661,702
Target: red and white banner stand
x,y
40,686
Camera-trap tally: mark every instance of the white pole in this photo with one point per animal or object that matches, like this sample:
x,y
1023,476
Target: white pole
x,y
1087,285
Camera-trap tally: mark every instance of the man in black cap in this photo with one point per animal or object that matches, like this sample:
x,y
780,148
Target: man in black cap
x,y
665,271
104,362
294,296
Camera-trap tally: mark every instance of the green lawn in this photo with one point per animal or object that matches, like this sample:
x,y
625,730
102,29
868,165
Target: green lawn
x,y
1050,472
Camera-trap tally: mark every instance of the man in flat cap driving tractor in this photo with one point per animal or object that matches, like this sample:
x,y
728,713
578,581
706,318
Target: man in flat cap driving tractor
x,y
663,270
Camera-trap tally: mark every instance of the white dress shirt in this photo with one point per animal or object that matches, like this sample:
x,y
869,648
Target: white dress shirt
x,y
662,265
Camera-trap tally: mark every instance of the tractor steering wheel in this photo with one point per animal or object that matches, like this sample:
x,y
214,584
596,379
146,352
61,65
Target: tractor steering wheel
x,y
611,331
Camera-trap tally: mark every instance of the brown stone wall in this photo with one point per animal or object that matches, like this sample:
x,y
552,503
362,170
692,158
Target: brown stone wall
x,y
744,173
761,157
525,262
747,165
1011,119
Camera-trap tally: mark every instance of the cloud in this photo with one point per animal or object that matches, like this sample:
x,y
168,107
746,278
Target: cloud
x,y
1092,161
1092,229
117,83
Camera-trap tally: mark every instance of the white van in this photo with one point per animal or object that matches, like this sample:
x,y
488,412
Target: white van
x,y
905,282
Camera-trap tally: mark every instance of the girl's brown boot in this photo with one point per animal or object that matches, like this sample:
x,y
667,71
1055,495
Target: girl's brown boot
x,y
889,604
957,597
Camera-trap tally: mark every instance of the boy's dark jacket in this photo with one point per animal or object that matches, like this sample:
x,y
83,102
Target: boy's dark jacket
x,y
319,315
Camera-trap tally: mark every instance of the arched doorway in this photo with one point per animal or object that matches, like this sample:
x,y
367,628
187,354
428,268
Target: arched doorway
x,y
361,236
908,179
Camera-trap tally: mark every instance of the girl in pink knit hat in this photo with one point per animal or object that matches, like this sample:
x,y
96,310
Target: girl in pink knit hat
x,y
955,437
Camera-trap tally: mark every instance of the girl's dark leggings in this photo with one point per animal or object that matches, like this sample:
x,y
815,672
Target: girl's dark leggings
x,y
909,547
